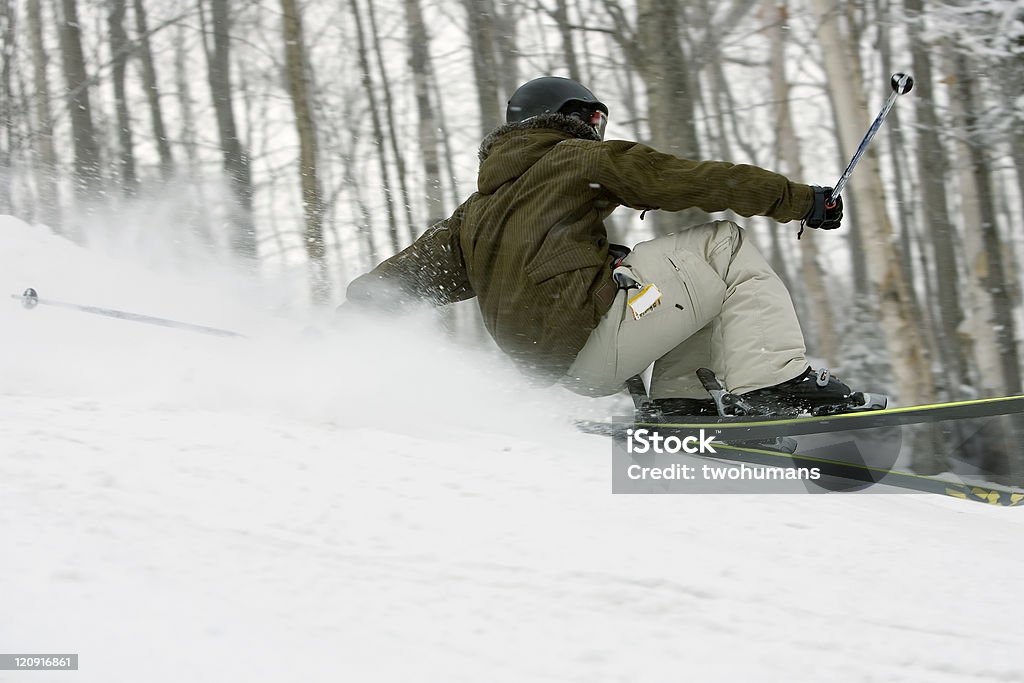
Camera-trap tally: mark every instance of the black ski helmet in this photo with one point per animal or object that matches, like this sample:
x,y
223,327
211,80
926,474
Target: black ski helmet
x,y
548,94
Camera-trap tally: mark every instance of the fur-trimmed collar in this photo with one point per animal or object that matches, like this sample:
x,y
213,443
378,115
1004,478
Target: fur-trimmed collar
x,y
568,124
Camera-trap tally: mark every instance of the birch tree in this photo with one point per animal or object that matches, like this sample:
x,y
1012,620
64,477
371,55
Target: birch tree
x,y
931,166
420,65
391,123
995,276
312,195
363,50
7,117
906,342
150,84
235,158
652,45
116,10
788,151
482,29
44,163
560,14
76,83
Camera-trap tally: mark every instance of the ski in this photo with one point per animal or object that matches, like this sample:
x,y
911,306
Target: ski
x,y
841,475
760,427
835,475
855,472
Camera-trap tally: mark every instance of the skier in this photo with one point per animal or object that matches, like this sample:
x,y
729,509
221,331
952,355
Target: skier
x,y
565,305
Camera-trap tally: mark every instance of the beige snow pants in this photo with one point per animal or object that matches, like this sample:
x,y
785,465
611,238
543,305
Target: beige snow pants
x,y
722,307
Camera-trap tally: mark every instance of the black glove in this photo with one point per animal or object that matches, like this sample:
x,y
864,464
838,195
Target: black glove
x,y
826,212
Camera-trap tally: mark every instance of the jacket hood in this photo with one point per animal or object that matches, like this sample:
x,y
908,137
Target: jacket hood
x,y
510,150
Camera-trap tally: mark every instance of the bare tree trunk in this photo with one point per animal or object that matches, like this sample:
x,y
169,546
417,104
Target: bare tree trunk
x,y
1017,149
904,202
653,48
446,141
378,130
199,218
340,143
858,260
119,52
183,86
561,17
668,78
911,363
978,333
150,83
364,224
25,189
419,62
628,82
723,104
87,152
671,89
45,162
7,38
312,196
235,158
932,164
996,277
392,126
788,150
481,28
506,20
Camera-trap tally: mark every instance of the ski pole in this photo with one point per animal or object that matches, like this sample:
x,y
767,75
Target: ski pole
x,y
30,299
901,84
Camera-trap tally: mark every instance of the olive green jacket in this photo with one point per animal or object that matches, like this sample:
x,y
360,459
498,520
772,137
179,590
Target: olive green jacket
x,y
530,243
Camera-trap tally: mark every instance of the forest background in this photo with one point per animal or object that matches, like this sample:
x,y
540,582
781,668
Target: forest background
x,y
327,135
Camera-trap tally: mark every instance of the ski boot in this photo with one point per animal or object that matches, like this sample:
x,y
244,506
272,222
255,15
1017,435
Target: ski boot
x,y
813,392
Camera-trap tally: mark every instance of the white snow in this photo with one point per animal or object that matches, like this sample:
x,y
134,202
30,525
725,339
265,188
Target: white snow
x,y
377,504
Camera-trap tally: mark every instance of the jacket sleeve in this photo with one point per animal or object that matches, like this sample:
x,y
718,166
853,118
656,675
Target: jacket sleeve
x,y
644,178
430,269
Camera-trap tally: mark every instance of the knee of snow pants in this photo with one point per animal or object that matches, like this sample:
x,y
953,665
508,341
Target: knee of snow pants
x,y
712,281
621,346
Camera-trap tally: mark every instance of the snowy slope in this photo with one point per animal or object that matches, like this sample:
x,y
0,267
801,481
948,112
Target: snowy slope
x,y
380,505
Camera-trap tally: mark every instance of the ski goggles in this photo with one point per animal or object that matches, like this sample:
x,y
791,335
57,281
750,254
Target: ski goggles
x,y
599,121
595,118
